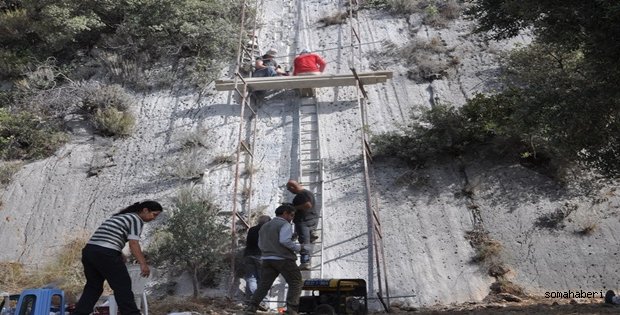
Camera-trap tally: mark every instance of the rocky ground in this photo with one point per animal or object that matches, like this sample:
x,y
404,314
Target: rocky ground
x,y
532,306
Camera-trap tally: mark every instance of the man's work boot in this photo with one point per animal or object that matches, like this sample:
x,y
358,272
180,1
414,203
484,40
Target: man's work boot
x,y
263,307
250,310
291,310
313,236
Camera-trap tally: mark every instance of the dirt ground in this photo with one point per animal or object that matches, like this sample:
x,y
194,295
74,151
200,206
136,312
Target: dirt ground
x,y
529,307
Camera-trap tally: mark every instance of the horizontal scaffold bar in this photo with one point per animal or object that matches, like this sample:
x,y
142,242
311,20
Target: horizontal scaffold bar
x,y
304,82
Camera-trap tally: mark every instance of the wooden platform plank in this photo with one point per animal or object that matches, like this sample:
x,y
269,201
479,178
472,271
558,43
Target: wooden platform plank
x,y
298,82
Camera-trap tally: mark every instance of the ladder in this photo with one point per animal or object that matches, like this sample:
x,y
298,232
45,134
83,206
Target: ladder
x,y
245,143
311,171
372,204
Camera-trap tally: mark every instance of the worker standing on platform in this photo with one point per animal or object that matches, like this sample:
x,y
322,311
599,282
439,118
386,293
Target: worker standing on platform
x,y
308,63
267,66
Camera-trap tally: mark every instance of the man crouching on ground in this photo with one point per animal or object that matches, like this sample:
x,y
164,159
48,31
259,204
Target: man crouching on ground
x,y
278,255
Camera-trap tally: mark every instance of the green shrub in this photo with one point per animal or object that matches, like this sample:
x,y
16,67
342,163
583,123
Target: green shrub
x,y
7,170
434,12
427,60
334,19
437,131
193,239
404,6
192,35
108,109
25,136
107,96
12,64
113,122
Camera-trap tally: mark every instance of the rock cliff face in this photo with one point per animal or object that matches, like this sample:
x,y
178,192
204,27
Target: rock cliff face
x,y
425,213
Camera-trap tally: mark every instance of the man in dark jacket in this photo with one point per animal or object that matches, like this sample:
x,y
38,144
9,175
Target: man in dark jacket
x,y
275,240
267,66
305,218
251,259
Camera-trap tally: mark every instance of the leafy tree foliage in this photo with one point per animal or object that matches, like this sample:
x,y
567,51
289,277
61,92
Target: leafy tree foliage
x,y
561,92
159,28
193,240
25,136
438,131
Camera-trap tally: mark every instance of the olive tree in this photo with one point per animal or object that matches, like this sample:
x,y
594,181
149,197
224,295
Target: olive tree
x,y
193,239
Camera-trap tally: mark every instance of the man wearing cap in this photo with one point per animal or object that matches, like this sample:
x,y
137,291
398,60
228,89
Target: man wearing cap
x,y
266,65
275,240
308,63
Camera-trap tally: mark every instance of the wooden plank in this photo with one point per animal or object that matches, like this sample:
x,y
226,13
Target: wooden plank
x,y
314,81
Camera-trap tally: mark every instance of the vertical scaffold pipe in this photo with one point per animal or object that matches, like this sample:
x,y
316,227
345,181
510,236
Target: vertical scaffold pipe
x,y
233,227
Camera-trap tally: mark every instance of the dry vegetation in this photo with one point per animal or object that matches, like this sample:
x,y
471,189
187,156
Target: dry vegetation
x,y
487,250
437,13
7,170
427,60
334,19
200,306
64,272
588,229
223,159
108,108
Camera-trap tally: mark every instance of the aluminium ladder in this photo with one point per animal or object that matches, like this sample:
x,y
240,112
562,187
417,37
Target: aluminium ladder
x,y
311,170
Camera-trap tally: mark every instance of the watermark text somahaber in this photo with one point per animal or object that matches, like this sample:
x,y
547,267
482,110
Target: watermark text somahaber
x,y
576,294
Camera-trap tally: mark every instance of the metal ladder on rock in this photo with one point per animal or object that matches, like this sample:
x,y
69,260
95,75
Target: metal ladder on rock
x,y
311,171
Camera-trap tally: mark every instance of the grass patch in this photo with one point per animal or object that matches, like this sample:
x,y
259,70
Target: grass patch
x,y
195,139
334,19
426,59
588,229
108,110
487,250
111,122
434,12
7,170
223,159
24,135
555,219
188,166
65,271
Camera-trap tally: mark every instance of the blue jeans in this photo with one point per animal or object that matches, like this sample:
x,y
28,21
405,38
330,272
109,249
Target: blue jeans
x,y
303,236
252,274
265,72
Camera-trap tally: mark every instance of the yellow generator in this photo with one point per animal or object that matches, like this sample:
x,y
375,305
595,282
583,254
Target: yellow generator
x,y
334,296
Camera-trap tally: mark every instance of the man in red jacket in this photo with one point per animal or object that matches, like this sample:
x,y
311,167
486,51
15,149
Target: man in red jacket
x,y
308,63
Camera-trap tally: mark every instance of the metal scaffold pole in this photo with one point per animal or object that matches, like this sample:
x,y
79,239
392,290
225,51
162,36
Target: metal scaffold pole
x,y
372,205
245,143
